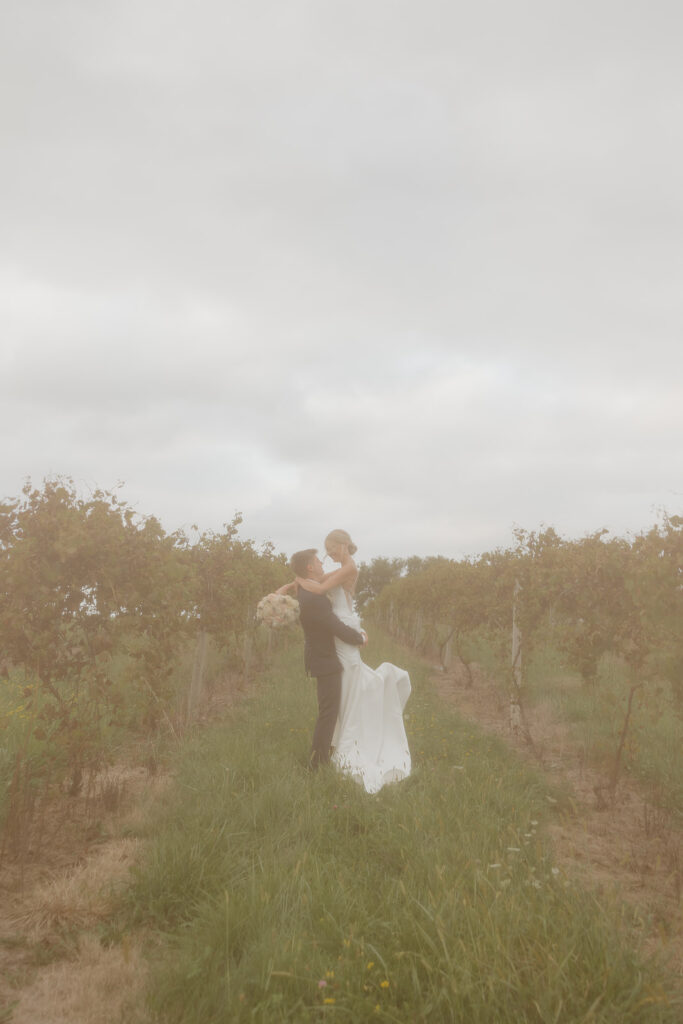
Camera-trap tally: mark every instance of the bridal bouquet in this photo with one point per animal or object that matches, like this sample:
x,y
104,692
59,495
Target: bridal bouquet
x,y
277,610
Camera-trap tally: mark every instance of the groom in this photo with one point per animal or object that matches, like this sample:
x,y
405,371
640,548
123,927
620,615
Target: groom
x,y
320,626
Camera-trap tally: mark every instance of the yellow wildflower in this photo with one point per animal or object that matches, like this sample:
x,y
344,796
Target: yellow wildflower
x,y
384,984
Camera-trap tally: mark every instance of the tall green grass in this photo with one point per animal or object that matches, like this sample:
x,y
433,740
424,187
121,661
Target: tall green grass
x,y
276,895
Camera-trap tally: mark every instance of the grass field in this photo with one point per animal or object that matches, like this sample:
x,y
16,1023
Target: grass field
x,y
273,895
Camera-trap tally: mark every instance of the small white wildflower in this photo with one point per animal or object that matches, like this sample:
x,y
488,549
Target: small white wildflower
x,y
534,823
514,849
494,865
555,871
536,884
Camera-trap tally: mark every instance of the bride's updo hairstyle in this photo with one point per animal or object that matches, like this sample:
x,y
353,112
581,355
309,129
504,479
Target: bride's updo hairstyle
x,y
341,537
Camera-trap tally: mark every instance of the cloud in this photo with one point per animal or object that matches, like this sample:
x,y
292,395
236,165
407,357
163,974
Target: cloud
x,y
412,271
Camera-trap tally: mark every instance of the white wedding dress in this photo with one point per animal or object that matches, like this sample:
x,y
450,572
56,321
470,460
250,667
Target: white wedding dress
x,y
369,741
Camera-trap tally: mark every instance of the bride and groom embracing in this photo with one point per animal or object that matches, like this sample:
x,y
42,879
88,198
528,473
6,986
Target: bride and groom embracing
x,y
360,710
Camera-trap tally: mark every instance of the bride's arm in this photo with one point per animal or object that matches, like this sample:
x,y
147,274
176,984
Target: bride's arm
x,y
285,588
332,579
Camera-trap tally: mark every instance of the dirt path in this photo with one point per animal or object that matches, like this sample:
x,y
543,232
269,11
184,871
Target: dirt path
x,y
55,897
57,893
631,849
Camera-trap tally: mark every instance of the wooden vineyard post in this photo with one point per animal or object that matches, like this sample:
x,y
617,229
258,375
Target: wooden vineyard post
x,y
516,689
197,682
392,619
447,657
418,630
246,651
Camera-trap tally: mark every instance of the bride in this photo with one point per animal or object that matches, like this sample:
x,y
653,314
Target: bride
x,y
369,741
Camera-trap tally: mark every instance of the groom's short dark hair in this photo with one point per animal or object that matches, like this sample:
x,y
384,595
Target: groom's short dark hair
x,y
301,560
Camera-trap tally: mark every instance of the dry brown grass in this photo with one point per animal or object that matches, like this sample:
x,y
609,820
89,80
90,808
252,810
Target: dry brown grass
x,y
101,986
54,896
79,897
139,793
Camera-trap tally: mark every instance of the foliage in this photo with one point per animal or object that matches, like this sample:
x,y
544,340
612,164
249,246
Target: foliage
x,y
230,577
80,580
656,583
374,576
96,604
590,598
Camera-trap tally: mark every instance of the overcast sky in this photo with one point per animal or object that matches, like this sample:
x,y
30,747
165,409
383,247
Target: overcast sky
x,y
410,269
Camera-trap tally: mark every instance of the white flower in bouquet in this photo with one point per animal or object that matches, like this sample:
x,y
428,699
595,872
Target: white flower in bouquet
x,y
277,610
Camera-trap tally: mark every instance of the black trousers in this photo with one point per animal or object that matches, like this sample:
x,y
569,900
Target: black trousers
x,y
329,696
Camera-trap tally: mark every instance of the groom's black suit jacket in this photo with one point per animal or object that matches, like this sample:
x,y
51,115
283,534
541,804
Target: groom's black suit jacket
x,y
320,626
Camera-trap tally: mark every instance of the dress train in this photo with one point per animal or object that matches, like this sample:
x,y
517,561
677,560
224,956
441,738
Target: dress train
x,y
369,742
